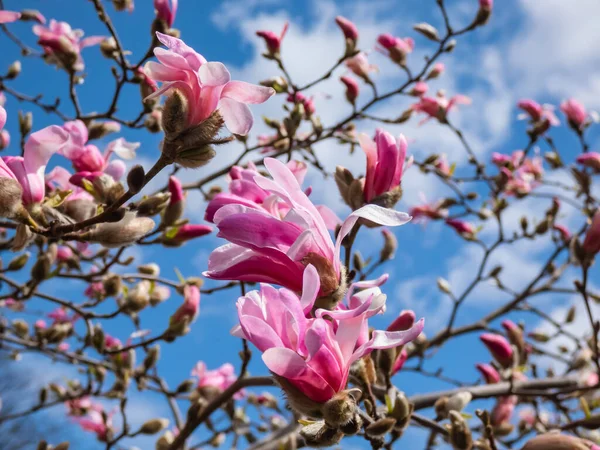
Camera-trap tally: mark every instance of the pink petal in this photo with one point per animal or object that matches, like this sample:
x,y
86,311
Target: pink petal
x,y
370,149
311,284
260,333
247,93
214,74
92,40
238,117
116,169
9,16
2,116
329,217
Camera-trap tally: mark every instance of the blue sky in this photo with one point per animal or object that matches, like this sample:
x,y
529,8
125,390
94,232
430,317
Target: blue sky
x,y
529,49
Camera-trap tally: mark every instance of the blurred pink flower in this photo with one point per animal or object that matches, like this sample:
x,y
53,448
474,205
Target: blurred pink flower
x,y
591,160
499,347
189,310
575,112
489,373
359,65
8,17
62,45
220,378
94,421
348,28
591,243
438,107
166,10
352,89
462,227
272,40
397,49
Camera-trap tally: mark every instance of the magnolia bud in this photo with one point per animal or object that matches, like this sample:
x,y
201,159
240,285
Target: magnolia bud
x,y
14,70
339,410
62,446
460,434
389,246
352,427
278,83
185,386
43,445
555,441
484,13
444,286
318,434
25,123
165,441
174,114
112,285
380,427
122,233
18,262
32,15
150,269
458,401
21,328
136,178
153,426
427,30
42,268
123,5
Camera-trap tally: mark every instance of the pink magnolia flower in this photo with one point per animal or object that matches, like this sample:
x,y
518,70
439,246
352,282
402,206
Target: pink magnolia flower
x,y
81,405
385,162
59,179
419,89
60,315
499,347
176,190
29,169
461,227
591,160
40,324
312,354
166,11
542,117
438,107
87,158
591,243
8,17
575,112
352,89
503,410
308,103
436,71
272,40
360,66
441,164
348,28
220,378
189,310
424,211
486,3
94,421
190,231
400,361
64,253
207,86
94,290
4,135
564,232
266,248
12,304
62,45
489,373
244,190
397,49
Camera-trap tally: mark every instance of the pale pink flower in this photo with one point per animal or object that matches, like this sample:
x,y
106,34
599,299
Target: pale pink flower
x,y
385,162
397,49
266,248
8,17
29,169
81,405
591,160
352,89
40,324
190,308
499,347
436,70
489,373
575,112
61,315
541,117
220,378
442,165
591,243
94,421
503,410
360,66
62,45
272,40
348,28
88,158
207,86
461,227
308,103
12,304
424,211
94,290
438,107
166,11
59,179
313,354
419,89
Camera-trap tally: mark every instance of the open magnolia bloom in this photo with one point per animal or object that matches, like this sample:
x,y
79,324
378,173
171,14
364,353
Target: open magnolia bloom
x,y
311,355
266,248
206,87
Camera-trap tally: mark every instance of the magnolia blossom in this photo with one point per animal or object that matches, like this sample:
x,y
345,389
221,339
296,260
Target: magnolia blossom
x,y
59,178
267,248
521,174
591,160
272,40
419,89
489,373
461,227
564,232
503,410
62,45
81,405
8,17
591,243
60,315
313,355
220,378
206,86
29,169
575,112
87,157
166,11
541,117
189,231
348,28
4,136
434,211
438,107
188,312
360,66
307,103
94,421
385,163
396,48
352,89
499,347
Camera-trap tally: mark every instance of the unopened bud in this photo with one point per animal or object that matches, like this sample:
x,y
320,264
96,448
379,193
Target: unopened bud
x,y
174,114
444,286
460,434
340,409
165,441
484,13
32,15
318,434
136,178
185,386
154,205
380,427
62,446
18,262
122,233
21,328
25,123
555,441
150,269
153,426
13,70
278,83
151,357
42,268
427,30
390,245
112,285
